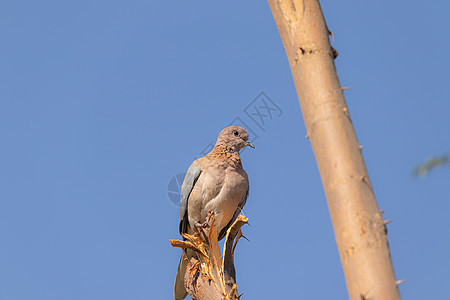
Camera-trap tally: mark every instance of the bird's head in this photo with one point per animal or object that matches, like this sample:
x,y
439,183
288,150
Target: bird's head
x,y
234,138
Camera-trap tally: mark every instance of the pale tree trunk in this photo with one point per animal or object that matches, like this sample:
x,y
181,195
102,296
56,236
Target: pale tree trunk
x,y
358,225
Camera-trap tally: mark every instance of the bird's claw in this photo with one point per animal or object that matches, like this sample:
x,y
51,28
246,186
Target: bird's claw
x,y
201,225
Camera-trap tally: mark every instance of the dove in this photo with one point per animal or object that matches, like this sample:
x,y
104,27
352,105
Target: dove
x,y
215,183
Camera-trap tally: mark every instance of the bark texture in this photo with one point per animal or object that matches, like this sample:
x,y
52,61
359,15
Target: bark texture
x,y
358,225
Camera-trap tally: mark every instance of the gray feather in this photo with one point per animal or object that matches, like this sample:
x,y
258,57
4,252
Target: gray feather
x,y
188,184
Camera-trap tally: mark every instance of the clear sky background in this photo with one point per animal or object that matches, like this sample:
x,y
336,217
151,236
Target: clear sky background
x,y
104,102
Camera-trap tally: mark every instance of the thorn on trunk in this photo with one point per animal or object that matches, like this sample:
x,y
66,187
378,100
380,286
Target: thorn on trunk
x,y
335,53
388,221
401,281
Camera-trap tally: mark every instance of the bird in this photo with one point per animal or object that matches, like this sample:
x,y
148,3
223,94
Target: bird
x,y
215,183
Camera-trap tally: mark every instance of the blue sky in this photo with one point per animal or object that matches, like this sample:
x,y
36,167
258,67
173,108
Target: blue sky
x,y
104,102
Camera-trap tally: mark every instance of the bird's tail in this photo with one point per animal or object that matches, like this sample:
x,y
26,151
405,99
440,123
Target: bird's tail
x,y
179,291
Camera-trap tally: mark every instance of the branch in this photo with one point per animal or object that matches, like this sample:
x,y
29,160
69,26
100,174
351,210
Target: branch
x,y
430,164
358,225
209,276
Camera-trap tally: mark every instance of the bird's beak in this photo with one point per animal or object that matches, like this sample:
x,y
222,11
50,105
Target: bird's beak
x,y
249,144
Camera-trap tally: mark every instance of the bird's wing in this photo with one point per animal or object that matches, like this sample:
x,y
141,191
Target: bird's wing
x,y
188,184
241,204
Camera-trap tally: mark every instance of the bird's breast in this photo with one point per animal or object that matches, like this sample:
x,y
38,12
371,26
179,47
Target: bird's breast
x,y
225,203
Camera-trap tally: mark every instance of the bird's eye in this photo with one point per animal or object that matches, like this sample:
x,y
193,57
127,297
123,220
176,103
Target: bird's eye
x,y
235,133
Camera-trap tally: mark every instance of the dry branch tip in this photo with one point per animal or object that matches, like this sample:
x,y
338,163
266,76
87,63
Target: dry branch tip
x,y
211,275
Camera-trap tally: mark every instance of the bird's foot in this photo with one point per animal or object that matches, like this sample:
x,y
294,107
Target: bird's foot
x,y
201,225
